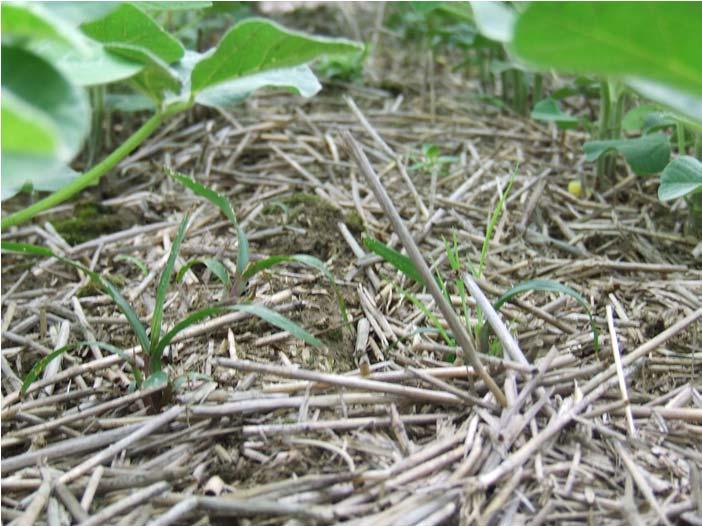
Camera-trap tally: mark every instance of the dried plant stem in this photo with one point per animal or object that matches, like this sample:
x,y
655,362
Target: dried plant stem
x,y
415,255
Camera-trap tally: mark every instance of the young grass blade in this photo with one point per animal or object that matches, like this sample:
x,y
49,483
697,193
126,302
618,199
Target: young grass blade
x,y
546,285
281,322
157,351
242,257
221,202
165,281
214,265
213,197
397,260
26,248
493,221
310,261
134,261
40,365
109,288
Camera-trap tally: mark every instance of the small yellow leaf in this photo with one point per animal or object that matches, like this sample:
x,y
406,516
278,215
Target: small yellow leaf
x,y
575,188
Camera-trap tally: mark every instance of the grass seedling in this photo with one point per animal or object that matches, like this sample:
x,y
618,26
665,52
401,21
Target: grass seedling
x,y
246,269
480,330
154,344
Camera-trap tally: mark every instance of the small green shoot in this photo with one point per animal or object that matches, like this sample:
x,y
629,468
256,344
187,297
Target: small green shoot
x,y
550,286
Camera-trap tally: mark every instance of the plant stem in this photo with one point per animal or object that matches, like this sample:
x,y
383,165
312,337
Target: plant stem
x,y
88,178
602,131
680,129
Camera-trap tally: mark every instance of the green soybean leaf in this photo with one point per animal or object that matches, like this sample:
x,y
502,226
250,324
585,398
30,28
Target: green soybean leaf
x,y
646,155
172,6
495,20
281,322
77,13
392,256
682,102
47,121
156,77
299,79
635,119
659,41
214,265
165,281
25,128
131,26
255,45
88,67
545,285
548,110
683,176
33,21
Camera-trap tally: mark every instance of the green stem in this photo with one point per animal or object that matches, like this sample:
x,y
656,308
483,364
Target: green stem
x,y
538,87
602,131
88,178
680,129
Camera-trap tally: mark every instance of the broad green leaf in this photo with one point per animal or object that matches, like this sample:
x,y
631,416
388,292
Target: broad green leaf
x,y
546,285
40,86
549,111
299,79
172,6
25,129
683,176
156,78
396,259
94,65
48,174
495,20
32,21
681,102
634,119
131,26
281,322
214,265
646,155
77,13
165,281
659,41
47,121
256,45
